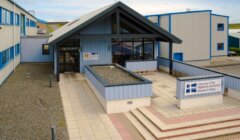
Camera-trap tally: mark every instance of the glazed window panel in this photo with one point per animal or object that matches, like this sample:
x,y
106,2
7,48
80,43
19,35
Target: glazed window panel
x,y
45,49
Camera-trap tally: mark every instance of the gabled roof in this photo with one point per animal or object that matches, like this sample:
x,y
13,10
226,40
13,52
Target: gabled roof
x,y
85,20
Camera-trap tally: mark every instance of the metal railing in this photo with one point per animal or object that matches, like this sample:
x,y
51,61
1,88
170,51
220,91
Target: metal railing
x,y
231,81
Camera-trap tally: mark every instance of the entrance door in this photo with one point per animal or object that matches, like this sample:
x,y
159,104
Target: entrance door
x,y
178,56
69,61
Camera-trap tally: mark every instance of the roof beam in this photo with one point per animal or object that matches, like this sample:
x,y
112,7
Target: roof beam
x,y
110,36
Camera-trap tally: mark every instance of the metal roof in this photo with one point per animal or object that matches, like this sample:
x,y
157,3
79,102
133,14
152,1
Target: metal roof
x,y
236,35
85,20
13,2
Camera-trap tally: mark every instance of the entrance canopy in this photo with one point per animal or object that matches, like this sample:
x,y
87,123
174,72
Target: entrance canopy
x,y
133,25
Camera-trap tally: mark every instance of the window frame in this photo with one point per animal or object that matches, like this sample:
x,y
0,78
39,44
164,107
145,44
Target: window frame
x,y
220,49
44,52
220,28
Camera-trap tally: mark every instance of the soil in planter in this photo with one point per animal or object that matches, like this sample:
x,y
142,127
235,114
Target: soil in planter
x,y
114,75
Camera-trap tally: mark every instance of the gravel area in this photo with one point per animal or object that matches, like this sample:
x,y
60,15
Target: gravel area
x,y
114,75
28,106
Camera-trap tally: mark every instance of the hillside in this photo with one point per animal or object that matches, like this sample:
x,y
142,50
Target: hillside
x,y
234,26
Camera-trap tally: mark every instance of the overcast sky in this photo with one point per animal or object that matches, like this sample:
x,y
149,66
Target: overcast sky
x,y
67,10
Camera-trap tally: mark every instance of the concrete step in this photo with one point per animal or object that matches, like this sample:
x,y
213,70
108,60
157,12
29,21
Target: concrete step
x,y
208,134
141,129
158,133
163,127
146,123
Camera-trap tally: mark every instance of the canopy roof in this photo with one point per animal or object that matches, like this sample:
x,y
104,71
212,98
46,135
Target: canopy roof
x,y
79,23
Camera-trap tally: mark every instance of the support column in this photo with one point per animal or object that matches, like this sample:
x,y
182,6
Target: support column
x,y
170,58
57,48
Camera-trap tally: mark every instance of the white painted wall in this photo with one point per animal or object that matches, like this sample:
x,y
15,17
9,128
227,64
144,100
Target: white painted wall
x,y
194,30
10,36
219,36
164,46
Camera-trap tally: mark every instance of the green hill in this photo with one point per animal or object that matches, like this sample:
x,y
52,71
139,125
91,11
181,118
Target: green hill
x,y
234,26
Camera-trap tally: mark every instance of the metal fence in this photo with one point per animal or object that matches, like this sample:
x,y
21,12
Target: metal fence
x,y
231,81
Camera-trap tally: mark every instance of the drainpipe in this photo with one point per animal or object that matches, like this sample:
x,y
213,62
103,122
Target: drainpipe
x,y
14,37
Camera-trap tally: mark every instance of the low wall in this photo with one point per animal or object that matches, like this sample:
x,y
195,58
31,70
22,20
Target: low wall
x,y
147,65
127,97
196,91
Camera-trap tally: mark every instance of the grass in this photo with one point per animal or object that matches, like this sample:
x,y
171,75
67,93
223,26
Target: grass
x,y
234,26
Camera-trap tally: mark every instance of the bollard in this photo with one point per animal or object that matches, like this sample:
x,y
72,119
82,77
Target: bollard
x,y
53,131
50,80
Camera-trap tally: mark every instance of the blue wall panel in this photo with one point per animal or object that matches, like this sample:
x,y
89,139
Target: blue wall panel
x,y
31,50
100,46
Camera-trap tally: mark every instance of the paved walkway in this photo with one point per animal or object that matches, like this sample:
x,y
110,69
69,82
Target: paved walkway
x,y
86,119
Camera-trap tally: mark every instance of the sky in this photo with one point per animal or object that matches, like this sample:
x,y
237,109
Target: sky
x,y
67,10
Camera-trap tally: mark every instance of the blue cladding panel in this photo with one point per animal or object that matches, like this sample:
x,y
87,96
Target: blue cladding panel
x,y
100,46
31,50
120,92
141,65
101,27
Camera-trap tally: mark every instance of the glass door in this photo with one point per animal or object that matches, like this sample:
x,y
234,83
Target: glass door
x,y
69,61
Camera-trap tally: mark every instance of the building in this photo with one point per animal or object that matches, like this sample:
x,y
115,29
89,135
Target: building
x,y
42,27
234,40
204,35
112,34
14,23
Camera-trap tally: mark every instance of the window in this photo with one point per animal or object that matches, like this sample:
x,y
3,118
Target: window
x,y
220,27
5,56
11,52
45,49
27,22
17,49
148,50
6,17
17,20
136,49
220,46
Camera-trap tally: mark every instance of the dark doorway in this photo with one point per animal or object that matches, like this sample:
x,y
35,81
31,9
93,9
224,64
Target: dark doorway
x,y
69,57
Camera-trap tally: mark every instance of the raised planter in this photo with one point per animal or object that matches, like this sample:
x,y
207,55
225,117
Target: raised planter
x,y
118,89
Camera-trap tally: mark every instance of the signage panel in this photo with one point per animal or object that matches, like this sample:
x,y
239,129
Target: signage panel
x,y
203,87
90,56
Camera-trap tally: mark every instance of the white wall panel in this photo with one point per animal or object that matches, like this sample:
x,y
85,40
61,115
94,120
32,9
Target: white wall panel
x,y
219,36
194,30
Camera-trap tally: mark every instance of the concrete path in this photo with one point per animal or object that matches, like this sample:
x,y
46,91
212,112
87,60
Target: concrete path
x,y
85,117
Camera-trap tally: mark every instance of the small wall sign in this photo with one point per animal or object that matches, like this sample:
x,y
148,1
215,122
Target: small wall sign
x,y
203,87
90,56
